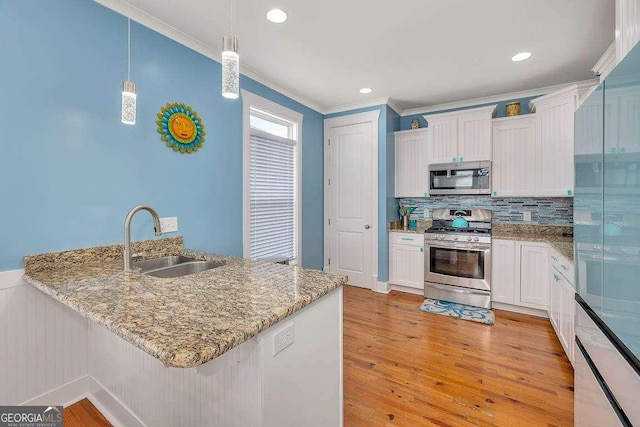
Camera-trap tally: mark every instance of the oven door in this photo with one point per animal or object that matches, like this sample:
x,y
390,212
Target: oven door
x,y
463,265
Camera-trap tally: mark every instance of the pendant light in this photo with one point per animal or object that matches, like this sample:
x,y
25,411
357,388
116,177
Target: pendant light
x,y
129,87
230,62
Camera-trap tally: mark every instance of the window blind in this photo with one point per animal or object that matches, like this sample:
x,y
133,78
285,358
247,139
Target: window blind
x,y
272,196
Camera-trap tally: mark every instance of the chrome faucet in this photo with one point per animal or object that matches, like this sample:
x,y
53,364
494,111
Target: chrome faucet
x,y
127,231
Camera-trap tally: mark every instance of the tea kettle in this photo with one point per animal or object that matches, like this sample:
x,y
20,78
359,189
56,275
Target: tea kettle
x,y
459,221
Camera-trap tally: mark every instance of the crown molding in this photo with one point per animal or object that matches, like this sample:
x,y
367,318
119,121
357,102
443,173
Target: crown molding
x,y
357,105
395,107
485,100
606,63
159,26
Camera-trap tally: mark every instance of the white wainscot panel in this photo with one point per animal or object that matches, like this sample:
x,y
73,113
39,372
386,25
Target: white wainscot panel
x,y
43,345
223,392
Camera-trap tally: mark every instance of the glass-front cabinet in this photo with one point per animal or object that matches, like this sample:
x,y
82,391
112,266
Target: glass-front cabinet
x,y
607,250
607,202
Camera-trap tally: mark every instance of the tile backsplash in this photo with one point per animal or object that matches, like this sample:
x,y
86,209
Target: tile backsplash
x,y
544,211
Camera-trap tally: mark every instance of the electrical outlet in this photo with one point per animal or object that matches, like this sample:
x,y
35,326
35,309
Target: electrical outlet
x,y
284,338
426,213
526,216
169,224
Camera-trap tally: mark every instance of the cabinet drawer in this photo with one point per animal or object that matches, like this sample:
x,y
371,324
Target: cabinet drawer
x,y
561,264
412,239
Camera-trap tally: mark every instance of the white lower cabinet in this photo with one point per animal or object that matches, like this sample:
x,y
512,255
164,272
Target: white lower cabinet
x,y
531,275
503,271
519,273
406,259
562,302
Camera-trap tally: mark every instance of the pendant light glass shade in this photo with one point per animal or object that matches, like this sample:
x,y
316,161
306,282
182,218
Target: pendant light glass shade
x,y
230,67
129,103
129,87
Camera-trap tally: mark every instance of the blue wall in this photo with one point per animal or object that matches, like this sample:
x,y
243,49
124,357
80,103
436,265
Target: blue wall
x,y
71,171
405,121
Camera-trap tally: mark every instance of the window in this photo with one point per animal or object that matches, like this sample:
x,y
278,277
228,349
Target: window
x,y
272,155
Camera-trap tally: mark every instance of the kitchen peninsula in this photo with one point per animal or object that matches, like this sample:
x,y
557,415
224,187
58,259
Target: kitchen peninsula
x,y
245,344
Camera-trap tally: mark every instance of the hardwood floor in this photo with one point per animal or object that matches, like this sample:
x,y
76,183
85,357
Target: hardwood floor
x,y
84,414
405,367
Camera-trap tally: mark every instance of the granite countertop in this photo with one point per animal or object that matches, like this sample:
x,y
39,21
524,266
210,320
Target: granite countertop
x,y
396,227
551,235
184,321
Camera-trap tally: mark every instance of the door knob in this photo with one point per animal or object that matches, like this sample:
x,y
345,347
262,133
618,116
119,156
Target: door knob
x,y
366,227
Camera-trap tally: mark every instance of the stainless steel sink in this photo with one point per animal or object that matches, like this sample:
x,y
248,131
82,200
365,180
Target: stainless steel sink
x,y
184,269
156,263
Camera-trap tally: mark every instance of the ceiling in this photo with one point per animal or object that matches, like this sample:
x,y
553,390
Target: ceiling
x,y
418,52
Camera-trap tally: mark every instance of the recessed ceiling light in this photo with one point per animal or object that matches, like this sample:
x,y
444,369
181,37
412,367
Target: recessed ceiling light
x,y
521,56
277,16
366,90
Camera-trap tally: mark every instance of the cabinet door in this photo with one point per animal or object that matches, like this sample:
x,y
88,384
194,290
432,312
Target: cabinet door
x,y
503,276
514,157
588,126
474,137
554,300
411,173
406,266
567,317
554,165
534,275
443,137
629,125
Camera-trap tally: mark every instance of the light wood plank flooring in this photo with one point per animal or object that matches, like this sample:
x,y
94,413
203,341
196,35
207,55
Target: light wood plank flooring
x,y
404,367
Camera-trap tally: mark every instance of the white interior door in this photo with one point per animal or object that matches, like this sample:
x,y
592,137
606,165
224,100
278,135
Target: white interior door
x,y
351,228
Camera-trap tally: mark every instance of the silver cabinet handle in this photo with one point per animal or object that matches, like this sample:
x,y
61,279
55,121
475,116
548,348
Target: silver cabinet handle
x,y
366,227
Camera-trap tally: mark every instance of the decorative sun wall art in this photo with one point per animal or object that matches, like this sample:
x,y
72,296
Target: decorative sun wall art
x,y
180,127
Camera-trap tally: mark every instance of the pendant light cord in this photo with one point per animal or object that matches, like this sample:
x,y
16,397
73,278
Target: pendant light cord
x,y
129,42
230,17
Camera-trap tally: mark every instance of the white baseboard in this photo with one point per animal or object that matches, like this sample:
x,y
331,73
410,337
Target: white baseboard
x,y
87,387
64,395
382,287
407,289
111,407
518,309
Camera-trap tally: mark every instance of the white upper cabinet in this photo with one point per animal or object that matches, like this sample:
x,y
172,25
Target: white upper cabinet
x,y
625,117
444,140
514,156
411,164
554,144
474,136
627,26
460,136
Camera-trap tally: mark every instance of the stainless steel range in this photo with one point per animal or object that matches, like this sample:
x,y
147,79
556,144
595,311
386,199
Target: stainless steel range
x,y
457,264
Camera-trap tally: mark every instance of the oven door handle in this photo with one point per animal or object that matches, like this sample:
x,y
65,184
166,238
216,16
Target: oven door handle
x,y
476,248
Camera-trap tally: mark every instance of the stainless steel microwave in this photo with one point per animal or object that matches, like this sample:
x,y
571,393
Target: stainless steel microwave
x,y
460,178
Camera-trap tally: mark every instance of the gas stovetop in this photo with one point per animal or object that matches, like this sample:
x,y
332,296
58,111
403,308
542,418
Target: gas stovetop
x,y
477,230
451,229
